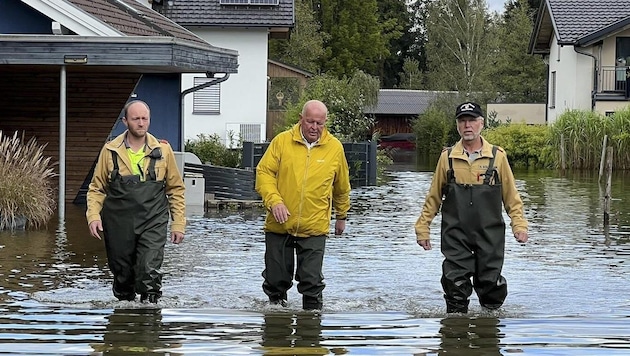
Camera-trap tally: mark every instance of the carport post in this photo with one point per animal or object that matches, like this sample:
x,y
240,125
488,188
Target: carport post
x,y
62,144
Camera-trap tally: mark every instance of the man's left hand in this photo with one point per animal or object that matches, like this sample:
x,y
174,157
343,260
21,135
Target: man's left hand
x,y
177,237
340,225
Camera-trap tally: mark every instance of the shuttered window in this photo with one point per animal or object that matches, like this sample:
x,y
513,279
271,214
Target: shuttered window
x,y
207,100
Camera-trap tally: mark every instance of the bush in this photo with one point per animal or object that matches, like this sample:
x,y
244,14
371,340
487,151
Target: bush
x,y
527,146
210,149
26,191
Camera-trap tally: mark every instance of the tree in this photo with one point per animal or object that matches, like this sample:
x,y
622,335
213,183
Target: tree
x,y
397,24
519,76
459,37
353,36
411,76
305,47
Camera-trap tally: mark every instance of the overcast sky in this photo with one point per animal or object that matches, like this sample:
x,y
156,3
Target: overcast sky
x,y
496,5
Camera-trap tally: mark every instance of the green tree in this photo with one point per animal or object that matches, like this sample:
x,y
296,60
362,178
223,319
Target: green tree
x,y
305,47
411,76
353,36
459,45
519,76
398,30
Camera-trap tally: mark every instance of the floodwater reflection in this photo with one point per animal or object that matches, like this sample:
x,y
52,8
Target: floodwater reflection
x,y
569,287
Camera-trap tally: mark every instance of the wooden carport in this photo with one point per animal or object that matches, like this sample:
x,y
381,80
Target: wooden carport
x,y
68,91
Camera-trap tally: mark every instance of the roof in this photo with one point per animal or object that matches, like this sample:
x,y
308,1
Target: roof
x,y
212,13
120,33
291,68
577,22
403,102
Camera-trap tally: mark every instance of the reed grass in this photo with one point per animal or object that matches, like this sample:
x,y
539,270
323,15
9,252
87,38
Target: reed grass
x,y
26,189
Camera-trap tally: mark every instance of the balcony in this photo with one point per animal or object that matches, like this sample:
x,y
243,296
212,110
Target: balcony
x,y
612,83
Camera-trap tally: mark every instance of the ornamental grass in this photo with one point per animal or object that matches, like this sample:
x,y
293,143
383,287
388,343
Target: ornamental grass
x,y
26,190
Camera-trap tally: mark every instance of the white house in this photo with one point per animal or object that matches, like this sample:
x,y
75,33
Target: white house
x,y
587,47
234,107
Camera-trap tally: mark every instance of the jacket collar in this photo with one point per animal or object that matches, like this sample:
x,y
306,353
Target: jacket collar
x,y
119,141
458,150
296,133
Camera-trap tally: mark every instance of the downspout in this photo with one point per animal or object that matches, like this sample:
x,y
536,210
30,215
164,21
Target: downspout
x,y
595,70
193,89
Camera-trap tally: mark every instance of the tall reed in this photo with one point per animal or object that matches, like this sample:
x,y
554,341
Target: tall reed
x,y
26,190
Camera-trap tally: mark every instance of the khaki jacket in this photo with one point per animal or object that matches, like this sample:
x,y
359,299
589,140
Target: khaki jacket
x,y
309,182
165,169
471,173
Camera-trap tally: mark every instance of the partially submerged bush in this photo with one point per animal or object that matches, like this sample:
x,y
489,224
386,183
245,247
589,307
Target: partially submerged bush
x,y
210,149
26,192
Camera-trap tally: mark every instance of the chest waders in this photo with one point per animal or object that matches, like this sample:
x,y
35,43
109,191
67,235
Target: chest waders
x,y
473,241
135,218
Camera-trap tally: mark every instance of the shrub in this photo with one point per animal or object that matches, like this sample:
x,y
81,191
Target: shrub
x,y
26,191
210,149
527,146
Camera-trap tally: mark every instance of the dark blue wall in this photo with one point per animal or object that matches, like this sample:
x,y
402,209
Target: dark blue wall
x,y
18,18
162,93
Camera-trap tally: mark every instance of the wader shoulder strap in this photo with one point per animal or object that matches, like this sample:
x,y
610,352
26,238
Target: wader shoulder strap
x,y
450,174
154,155
491,172
116,168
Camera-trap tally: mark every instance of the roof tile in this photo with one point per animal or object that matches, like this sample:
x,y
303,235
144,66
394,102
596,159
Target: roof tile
x,y
578,18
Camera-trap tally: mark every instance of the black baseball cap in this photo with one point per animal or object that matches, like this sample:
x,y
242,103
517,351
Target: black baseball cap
x,y
468,109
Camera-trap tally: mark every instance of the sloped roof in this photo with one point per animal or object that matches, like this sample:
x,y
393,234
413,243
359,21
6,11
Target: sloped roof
x,y
577,21
133,19
211,13
120,34
403,102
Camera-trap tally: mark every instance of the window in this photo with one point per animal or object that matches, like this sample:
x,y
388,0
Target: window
x,y
552,90
248,2
207,100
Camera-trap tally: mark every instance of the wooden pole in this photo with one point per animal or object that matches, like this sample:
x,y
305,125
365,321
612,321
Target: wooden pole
x,y
608,184
601,161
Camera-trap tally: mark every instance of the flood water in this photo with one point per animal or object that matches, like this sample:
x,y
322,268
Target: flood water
x,y
569,286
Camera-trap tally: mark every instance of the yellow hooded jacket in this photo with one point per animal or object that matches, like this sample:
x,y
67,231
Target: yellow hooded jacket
x,y
471,173
165,169
310,182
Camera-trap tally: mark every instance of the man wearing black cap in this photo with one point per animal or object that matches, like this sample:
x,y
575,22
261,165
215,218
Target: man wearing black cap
x,y
475,179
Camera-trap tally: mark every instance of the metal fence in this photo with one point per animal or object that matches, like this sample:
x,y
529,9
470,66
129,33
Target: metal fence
x,y
238,183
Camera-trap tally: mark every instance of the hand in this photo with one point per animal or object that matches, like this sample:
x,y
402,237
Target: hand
x,y
521,236
280,213
96,227
340,226
426,244
177,237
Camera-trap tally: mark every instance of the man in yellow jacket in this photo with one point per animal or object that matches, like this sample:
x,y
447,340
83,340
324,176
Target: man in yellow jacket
x,y
136,184
476,180
301,177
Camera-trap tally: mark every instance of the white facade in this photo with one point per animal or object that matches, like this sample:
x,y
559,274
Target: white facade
x,y
573,81
243,96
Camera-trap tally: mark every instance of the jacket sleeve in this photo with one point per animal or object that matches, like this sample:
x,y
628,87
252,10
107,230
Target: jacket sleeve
x,y
433,200
175,190
267,175
96,191
341,187
511,197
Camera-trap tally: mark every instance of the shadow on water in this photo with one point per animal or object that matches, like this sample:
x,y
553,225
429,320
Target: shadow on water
x,y
569,287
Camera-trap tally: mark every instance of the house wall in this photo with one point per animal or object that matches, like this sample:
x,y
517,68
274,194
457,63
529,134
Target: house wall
x,y
243,95
531,114
18,18
609,48
574,80
608,107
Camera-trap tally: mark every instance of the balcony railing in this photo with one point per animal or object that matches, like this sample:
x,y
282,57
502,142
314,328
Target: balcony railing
x,y
612,80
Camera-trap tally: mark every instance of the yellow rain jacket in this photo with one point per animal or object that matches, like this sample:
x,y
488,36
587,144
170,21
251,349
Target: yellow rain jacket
x,y
471,173
310,182
165,169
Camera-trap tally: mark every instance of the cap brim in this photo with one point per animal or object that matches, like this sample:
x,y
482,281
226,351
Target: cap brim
x,y
467,113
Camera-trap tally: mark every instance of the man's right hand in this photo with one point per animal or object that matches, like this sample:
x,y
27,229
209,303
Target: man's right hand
x,y
280,213
96,227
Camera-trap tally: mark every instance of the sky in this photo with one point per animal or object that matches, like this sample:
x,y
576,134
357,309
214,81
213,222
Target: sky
x,y
496,5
